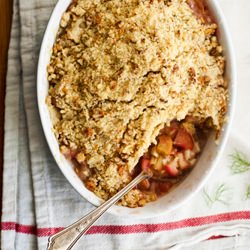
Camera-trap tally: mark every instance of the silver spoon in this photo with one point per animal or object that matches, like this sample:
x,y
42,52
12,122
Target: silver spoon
x,y
67,238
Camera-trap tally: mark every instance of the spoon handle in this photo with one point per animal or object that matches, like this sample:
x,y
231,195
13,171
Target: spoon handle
x,y
66,238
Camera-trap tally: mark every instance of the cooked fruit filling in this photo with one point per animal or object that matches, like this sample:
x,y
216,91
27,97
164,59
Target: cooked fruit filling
x,y
174,155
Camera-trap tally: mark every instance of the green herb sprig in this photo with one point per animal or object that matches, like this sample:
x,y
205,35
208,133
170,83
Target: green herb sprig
x,y
240,163
217,196
248,192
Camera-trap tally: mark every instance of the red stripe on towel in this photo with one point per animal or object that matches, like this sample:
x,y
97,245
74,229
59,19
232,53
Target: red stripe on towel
x,y
215,237
28,229
132,229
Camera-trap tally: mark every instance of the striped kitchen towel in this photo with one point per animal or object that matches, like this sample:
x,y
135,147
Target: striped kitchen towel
x,y
38,201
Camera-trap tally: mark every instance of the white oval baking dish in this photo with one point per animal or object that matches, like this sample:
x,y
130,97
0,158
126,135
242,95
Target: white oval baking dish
x,y
211,153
